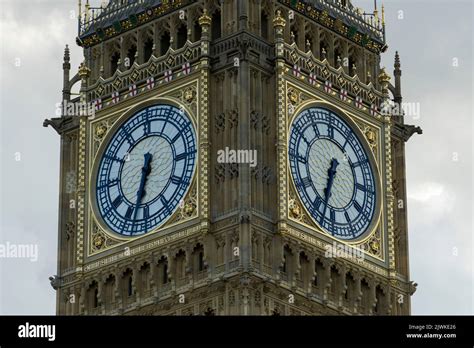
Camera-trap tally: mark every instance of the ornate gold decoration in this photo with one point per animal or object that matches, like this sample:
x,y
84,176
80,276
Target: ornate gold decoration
x,y
100,240
189,94
101,130
295,210
384,80
293,96
279,21
205,19
84,72
373,245
188,207
370,135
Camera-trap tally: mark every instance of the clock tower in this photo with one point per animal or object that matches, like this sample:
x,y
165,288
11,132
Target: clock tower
x,y
306,212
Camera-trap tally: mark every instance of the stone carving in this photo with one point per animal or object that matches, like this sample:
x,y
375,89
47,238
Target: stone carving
x,y
100,240
260,122
226,170
188,207
263,173
70,229
230,117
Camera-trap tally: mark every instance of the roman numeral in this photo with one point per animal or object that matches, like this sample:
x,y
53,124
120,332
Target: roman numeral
x,y
332,215
357,206
128,137
165,204
316,130
114,158
360,163
146,128
146,212
176,180
346,215
317,202
305,140
331,131
129,212
348,139
305,182
181,156
301,159
116,203
110,183
176,137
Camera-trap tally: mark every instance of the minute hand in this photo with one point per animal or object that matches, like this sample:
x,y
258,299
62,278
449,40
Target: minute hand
x,y
327,191
146,169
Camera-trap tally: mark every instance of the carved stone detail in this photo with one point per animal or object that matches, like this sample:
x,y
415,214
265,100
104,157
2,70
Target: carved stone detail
x,y
100,240
229,117
296,210
260,122
263,173
225,171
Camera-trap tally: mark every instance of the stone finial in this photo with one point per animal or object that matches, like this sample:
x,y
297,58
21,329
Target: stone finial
x,y
384,80
205,19
67,56
354,69
293,37
397,64
84,71
279,21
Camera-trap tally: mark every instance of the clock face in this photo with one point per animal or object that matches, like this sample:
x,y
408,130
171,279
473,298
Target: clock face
x,y
146,170
332,173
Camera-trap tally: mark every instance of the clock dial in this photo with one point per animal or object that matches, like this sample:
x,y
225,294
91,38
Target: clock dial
x,y
332,173
146,170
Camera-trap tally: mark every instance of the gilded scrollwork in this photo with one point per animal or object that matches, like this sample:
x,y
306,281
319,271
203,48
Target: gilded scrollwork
x,y
187,208
373,245
100,240
187,96
296,210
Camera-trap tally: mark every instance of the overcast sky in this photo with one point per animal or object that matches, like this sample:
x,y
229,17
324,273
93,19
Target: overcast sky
x,y
431,37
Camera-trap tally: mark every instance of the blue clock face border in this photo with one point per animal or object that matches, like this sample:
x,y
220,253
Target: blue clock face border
x,y
332,173
146,170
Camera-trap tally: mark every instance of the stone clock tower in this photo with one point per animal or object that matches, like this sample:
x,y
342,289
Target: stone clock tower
x,y
152,221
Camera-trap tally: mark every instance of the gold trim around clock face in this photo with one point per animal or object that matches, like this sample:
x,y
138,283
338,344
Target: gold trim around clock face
x,y
376,220
170,221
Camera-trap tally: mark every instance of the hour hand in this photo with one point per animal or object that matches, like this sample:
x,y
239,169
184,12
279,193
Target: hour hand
x,y
331,174
146,170
327,191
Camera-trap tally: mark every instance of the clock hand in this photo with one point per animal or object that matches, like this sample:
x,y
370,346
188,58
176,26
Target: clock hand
x,y
146,169
327,190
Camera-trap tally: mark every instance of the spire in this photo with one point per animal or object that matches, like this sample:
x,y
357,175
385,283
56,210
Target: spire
x,y
397,73
383,14
67,57
66,70
397,61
